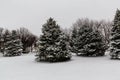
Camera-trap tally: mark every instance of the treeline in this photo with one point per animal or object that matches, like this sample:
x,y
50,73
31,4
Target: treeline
x,y
85,38
74,39
21,38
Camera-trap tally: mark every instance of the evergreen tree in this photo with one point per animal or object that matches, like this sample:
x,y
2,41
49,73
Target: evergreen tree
x,y
6,36
115,37
90,42
13,46
52,44
1,39
74,41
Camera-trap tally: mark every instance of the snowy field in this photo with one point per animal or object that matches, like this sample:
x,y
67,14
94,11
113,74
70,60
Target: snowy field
x,y
79,68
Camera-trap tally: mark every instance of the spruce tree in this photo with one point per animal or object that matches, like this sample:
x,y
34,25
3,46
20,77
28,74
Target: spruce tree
x,y
13,46
90,42
74,41
52,43
1,39
6,36
115,37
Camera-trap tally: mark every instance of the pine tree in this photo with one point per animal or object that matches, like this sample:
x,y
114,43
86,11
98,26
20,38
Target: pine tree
x,y
6,36
90,42
13,46
1,39
52,44
115,37
74,41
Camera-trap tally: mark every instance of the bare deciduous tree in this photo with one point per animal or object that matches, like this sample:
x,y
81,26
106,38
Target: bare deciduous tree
x,y
105,28
27,38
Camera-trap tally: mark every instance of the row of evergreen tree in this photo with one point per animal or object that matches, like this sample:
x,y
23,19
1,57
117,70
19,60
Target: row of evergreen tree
x,y
54,45
16,42
13,45
85,40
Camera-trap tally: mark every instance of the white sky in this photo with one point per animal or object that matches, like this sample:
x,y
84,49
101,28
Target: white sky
x,y
33,13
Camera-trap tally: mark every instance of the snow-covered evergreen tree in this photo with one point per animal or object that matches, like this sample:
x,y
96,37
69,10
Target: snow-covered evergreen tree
x,y
52,44
90,42
6,36
115,37
1,39
13,46
74,41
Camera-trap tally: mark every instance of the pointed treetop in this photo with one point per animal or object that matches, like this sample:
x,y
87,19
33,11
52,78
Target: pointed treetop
x,y
51,21
117,16
116,25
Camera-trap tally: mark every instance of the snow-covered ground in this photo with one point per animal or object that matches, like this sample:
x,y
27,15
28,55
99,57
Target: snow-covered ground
x,y
79,68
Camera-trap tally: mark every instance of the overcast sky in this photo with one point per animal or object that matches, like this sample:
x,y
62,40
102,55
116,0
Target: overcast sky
x,y
33,13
